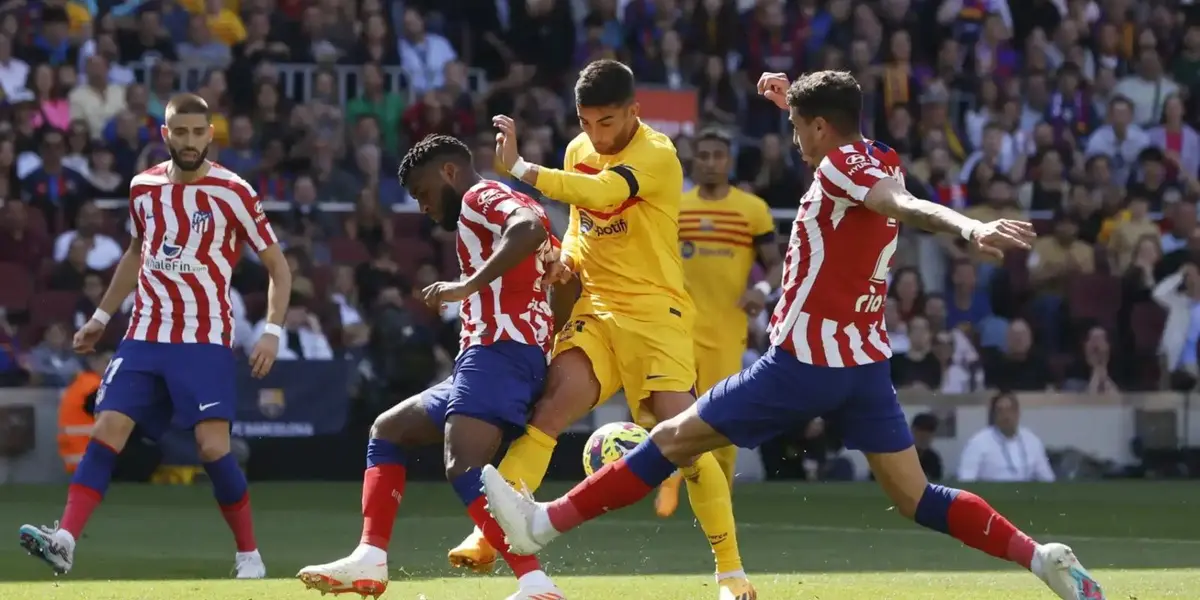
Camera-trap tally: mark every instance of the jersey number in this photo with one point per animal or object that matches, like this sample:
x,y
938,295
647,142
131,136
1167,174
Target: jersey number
x,y
885,256
109,372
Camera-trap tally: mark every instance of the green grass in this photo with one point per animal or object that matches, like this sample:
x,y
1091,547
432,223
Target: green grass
x,y
806,542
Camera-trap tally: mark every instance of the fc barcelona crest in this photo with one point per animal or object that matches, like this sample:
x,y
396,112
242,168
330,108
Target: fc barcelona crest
x,y
271,403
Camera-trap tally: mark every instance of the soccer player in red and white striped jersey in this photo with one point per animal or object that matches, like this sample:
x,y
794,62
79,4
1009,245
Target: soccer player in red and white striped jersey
x,y
503,242
176,367
828,355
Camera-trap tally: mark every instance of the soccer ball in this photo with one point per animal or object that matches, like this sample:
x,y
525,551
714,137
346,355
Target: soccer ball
x,y
609,443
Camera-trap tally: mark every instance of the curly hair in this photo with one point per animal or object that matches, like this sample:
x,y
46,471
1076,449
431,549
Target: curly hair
x,y
430,149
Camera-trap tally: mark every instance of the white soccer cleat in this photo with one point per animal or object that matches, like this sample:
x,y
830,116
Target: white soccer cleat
x,y
537,586
51,545
525,523
249,565
1064,575
363,572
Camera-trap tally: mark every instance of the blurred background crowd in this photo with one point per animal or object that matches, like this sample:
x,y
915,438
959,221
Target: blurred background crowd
x,y
1077,114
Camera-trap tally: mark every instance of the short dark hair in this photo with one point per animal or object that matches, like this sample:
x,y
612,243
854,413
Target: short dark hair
x,y
925,422
715,134
832,95
429,150
604,83
188,104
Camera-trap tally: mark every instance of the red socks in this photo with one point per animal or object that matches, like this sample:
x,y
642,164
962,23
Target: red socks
x,y
238,517
975,523
383,486
612,487
520,565
81,503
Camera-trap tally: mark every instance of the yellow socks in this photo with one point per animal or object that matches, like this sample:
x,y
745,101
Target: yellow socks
x,y
727,458
527,459
708,492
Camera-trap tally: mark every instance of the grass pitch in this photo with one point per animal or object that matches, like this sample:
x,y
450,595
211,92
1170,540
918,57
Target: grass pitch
x,y
802,542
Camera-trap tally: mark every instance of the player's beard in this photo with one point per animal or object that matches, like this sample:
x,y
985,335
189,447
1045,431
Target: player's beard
x,y
187,165
451,207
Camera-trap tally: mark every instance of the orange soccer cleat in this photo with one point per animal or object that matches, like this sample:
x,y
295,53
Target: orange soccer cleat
x,y
474,553
668,496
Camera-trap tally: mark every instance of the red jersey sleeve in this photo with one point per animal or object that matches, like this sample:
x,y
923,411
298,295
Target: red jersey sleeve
x,y
494,205
252,220
850,174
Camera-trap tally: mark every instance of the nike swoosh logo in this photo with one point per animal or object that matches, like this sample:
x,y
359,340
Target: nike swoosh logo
x,y
988,528
648,377
204,407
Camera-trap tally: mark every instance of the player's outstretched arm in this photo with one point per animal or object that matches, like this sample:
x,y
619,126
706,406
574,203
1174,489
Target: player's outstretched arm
x,y
279,294
124,282
888,197
523,235
609,187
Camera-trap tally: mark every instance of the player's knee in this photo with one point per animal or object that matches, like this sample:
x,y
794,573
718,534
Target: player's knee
x,y
457,466
211,445
672,443
112,429
386,427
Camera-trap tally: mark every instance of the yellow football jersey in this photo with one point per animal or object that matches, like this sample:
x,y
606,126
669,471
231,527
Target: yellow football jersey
x,y
624,229
717,242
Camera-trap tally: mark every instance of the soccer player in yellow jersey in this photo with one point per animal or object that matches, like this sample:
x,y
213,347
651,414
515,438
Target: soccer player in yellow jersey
x,y
722,231
632,325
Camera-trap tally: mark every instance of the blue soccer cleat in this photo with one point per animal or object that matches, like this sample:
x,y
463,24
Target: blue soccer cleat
x,y
1063,573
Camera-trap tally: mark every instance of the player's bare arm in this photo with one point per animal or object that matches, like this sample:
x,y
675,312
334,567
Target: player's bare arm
x,y
278,295
888,197
124,282
755,298
523,235
606,188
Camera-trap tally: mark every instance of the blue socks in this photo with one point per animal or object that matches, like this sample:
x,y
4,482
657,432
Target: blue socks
x,y
228,481
933,511
468,486
96,468
648,463
383,452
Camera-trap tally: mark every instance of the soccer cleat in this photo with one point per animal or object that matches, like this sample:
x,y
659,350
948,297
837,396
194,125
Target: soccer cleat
x,y
668,496
474,553
539,592
52,545
249,565
736,588
1065,576
354,574
517,514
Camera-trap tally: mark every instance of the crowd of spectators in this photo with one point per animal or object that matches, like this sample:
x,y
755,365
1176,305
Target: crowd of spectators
x,y
1077,114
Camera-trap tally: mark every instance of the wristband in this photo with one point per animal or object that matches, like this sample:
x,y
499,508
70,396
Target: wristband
x,y
765,288
969,232
519,168
273,329
101,316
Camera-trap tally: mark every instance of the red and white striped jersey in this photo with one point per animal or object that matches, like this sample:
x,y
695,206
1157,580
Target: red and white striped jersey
x,y
515,305
836,265
191,236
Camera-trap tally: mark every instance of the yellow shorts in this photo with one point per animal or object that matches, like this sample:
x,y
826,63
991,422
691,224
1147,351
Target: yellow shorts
x,y
714,363
646,354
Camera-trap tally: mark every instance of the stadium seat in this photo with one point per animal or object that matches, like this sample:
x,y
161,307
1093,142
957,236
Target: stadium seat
x,y
115,332
410,253
17,286
36,222
408,225
53,307
1043,226
347,251
1101,259
322,280
1094,298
